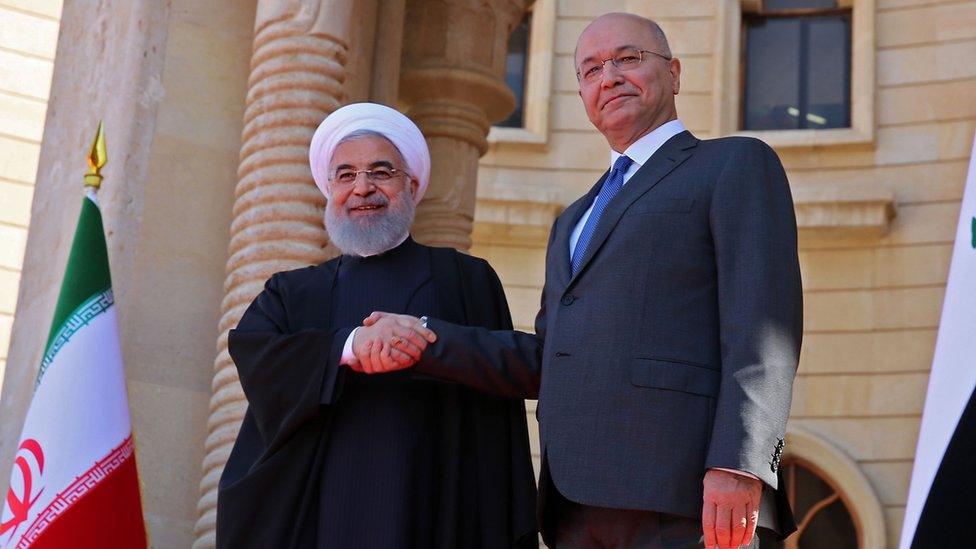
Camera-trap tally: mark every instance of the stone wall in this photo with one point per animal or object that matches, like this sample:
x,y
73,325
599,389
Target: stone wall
x,y
28,38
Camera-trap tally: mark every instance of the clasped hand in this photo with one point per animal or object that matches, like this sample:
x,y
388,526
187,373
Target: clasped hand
x,y
388,342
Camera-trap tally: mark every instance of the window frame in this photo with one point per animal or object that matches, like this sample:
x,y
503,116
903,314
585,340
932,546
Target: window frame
x,y
538,82
728,98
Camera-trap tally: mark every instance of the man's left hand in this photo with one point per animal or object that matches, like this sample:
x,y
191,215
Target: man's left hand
x,y
731,509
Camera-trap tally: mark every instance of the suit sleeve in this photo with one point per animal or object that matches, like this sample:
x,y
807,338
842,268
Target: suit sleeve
x,y
505,363
286,375
760,311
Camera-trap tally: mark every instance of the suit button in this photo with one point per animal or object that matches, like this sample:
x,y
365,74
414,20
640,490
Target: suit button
x,y
568,299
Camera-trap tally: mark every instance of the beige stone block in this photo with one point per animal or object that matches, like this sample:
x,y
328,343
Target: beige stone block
x,y
836,269
201,81
879,267
566,151
533,425
669,9
695,111
927,102
838,311
898,351
908,307
588,8
568,113
890,480
9,282
169,426
13,240
564,74
858,395
912,265
868,439
924,223
47,8
923,182
524,304
562,186
923,24
525,267
22,117
869,310
221,16
24,75
884,5
30,34
15,202
177,267
947,61
690,36
894,517
697,74
18,162
567,33
6,324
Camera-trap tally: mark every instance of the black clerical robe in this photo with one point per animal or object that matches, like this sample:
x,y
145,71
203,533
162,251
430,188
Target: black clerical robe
x,y
327,457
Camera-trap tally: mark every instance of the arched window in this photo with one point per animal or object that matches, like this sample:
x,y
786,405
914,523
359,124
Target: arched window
x,y
822,518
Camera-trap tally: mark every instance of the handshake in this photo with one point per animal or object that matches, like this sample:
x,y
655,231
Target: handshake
x,y
388,342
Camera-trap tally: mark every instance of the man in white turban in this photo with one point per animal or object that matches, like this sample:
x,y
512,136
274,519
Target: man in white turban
x,y
330,457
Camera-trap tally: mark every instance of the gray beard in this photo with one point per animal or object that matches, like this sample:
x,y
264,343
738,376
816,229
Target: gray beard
x,y
371,235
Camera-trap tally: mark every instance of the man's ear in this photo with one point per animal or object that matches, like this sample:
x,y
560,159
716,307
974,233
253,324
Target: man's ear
x,y
675,68
414,185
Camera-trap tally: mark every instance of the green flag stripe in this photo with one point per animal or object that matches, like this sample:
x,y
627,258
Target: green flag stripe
x,y
80,318
87,273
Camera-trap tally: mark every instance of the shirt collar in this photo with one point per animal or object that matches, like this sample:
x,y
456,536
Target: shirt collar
x,y
640,151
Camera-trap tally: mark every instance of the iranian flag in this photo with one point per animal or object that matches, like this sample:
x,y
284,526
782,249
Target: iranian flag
x,y
940,508
74,482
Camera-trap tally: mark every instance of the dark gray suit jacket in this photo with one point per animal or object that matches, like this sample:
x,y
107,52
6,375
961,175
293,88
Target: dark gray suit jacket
x,y
674,348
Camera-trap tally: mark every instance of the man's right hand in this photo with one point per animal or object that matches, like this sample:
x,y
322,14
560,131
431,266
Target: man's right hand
x,y
388,342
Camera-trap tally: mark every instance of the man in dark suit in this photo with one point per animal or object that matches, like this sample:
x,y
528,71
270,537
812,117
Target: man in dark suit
x,y
670,326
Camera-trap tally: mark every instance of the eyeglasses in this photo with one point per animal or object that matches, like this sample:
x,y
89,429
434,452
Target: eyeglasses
x,y
592,71
378,176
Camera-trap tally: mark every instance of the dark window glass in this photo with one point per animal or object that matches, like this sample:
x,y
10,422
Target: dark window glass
x,y
515,70
797,68
773,5
824,520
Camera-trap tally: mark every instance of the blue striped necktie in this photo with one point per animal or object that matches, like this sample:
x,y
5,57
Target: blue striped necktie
x,y
610,189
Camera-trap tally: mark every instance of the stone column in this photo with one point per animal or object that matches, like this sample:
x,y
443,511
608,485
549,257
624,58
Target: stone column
x,y
453,86
297,75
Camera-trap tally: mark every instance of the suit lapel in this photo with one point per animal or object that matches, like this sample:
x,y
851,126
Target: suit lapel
x,y
564,227
675,151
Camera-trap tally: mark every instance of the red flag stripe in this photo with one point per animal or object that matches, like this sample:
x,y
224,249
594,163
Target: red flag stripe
x,y
101,508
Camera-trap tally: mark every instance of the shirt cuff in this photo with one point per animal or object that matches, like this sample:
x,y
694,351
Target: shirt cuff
x,y
737,472
348,356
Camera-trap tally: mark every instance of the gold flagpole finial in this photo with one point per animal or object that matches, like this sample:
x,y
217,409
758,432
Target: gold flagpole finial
x,y
96,159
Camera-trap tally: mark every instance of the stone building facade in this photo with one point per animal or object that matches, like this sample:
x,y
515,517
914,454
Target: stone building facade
x,y
209,106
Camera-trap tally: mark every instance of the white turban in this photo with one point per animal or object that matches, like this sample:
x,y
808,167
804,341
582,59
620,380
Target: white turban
x,y
393,125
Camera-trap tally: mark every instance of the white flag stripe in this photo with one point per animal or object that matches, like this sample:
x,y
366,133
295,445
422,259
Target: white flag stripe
x,y
79,413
